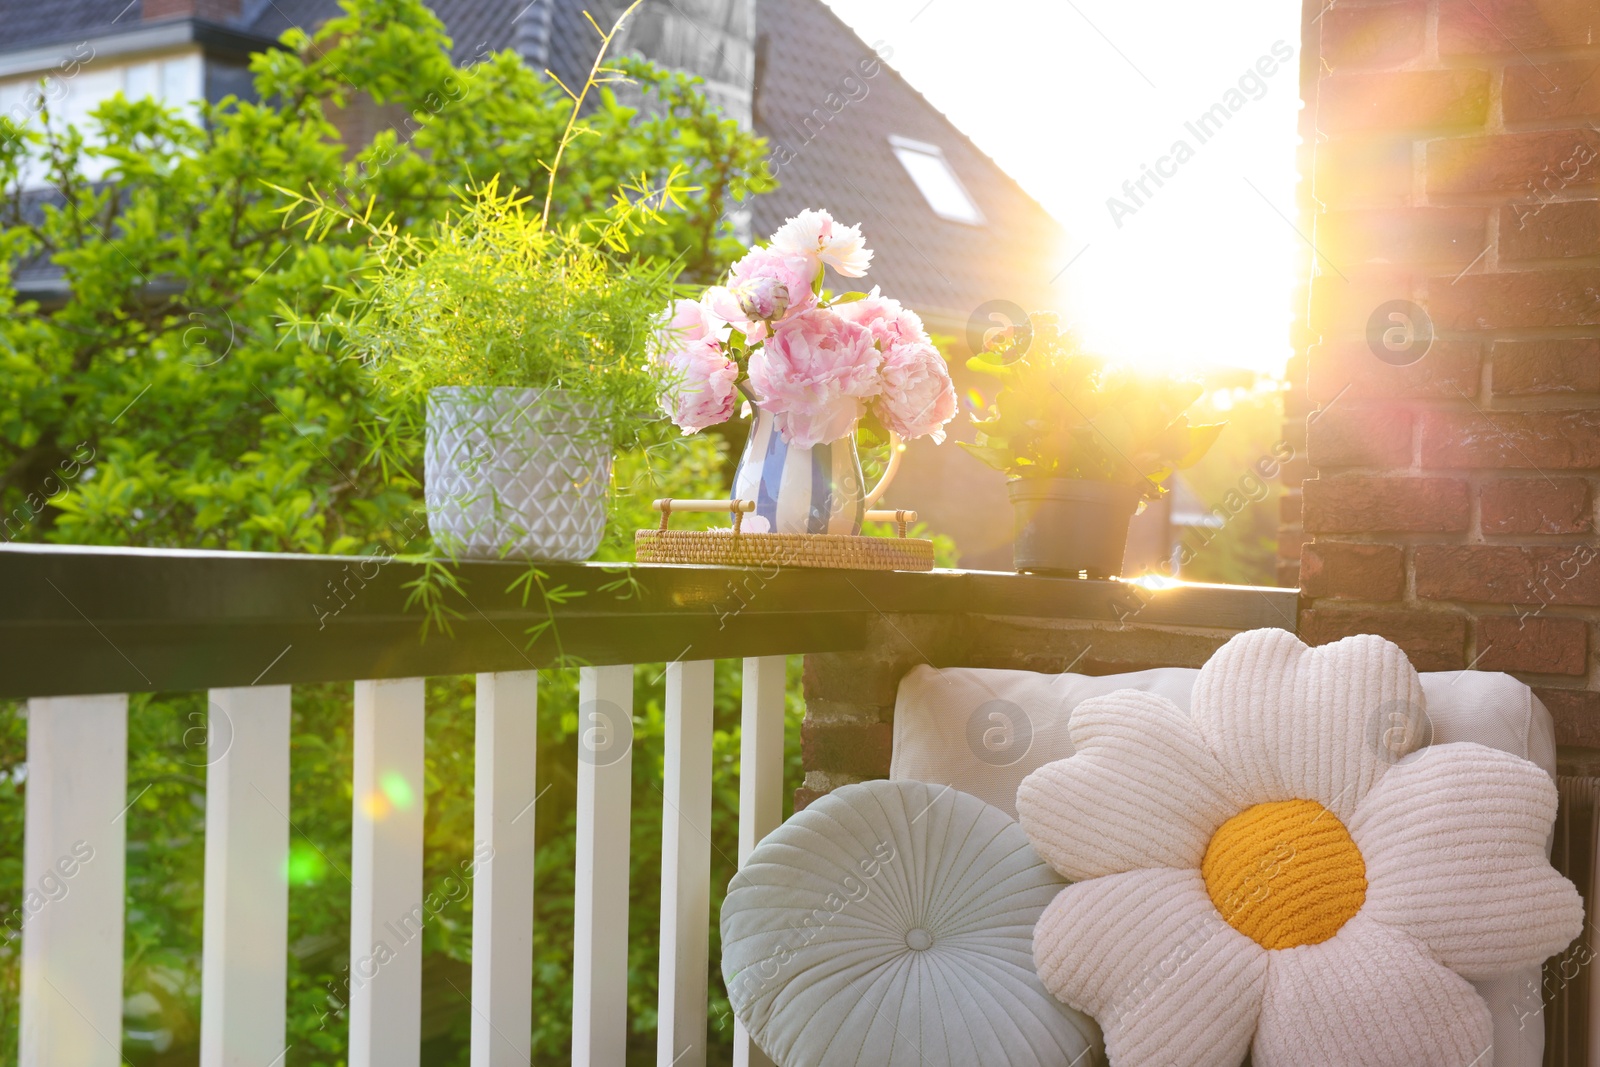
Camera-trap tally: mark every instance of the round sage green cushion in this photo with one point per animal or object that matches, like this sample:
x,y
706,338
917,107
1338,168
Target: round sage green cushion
x,y
891,924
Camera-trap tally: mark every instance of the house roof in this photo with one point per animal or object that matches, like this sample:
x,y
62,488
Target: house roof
x,y
843,159
29,24
471,24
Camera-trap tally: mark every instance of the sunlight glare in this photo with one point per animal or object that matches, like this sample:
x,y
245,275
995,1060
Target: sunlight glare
x,y
1083,104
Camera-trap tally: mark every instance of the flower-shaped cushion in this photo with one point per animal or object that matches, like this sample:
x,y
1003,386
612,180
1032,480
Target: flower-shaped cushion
x,y
1281,872
891,924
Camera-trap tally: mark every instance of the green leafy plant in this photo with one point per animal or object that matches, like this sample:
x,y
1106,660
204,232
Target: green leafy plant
x,y
494,296
491,295
1061,413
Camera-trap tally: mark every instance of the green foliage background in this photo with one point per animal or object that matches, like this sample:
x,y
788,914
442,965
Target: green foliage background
x,y
161,404
1229,483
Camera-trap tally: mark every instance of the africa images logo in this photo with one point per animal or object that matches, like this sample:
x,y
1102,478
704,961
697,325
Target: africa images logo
x,y
1399,332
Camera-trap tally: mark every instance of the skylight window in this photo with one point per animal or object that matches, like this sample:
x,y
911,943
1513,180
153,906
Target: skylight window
x,y
939,185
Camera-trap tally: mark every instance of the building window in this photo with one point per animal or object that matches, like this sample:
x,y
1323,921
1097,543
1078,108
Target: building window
x,y
939,185
176,81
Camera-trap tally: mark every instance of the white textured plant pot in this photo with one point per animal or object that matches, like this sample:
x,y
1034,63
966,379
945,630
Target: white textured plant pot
x,y
515,473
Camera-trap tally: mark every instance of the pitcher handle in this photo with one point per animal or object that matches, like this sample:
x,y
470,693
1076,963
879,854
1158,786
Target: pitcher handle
x,y
896,447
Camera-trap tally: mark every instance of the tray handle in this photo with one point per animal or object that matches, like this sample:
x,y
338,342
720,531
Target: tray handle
x,y
902,518
740,508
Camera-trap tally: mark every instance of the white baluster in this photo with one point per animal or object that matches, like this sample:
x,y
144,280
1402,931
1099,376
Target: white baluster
x,y
685,866
502,889
600,920
760,787
246,955
386,914
72,881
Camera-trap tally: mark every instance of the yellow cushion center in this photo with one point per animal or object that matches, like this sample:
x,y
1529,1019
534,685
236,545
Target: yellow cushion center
x,y
1285,874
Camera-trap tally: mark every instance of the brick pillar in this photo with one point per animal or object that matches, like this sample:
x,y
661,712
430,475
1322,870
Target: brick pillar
x,y
1291,534
1451,505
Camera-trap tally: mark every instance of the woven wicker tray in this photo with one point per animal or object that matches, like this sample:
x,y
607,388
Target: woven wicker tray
x,y
736,548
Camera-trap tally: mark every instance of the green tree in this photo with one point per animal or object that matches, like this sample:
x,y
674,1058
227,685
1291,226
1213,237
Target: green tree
x,y
162,404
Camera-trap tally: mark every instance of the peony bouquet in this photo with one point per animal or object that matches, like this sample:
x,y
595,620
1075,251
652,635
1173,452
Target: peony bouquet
x,y
818,363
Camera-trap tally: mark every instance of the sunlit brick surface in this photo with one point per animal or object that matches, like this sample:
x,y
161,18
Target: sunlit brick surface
x,y
1451,504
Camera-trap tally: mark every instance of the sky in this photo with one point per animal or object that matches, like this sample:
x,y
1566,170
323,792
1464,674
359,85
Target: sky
x,y
1074,98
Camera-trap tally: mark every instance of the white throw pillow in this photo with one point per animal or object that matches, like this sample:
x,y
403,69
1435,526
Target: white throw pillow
x,y
983,731
891,924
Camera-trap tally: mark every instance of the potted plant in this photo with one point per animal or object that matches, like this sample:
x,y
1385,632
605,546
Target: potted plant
x,y
812,366
1085,446
525,343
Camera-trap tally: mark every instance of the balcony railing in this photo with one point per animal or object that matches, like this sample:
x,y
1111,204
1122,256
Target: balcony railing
x,y
81,628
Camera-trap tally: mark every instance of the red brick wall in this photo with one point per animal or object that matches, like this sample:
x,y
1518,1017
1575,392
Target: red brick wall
x,y
212,10
1451,504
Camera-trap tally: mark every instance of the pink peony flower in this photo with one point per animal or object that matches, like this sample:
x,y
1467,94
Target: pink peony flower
x,y
814,375
918,397
765,281
890,322
764,298
685,321
815,235
721,304
688,347
702,391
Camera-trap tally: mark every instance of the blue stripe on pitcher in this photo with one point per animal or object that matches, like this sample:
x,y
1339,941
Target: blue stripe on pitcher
x,y
821,505
772,471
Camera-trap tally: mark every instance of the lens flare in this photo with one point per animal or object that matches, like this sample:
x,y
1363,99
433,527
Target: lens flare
x,y
397,790
305,865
